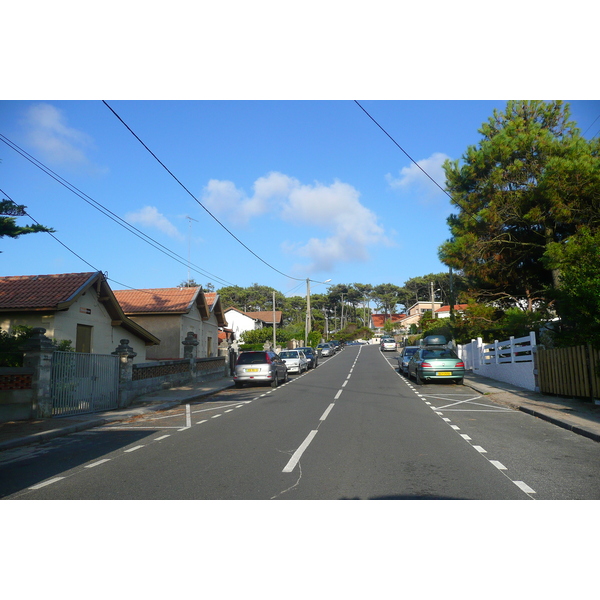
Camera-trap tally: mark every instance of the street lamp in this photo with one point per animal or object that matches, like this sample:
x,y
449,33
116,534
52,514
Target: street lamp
x,y
307,324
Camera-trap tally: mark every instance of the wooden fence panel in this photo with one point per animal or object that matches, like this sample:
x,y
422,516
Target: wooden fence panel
x,y
569,371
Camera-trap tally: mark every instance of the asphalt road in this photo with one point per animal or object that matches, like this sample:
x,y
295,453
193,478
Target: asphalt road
x,y
351,429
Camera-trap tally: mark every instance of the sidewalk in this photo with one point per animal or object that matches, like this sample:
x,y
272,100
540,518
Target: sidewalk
x,y
578,416
24,433
575,414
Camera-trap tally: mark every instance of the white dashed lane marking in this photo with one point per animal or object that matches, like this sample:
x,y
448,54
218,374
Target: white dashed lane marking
x,y
454,401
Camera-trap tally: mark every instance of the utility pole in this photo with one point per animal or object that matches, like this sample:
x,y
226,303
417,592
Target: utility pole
x,y
432,297
451,297
189,244
274,325
307,324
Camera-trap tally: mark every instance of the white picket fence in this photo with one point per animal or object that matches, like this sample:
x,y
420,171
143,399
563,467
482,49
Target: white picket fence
x,y
511,361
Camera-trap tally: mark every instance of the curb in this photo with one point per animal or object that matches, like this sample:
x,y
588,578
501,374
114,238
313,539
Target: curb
x,y
564,424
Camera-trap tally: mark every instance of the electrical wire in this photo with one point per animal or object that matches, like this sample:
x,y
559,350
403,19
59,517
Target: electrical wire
x,y
108,213
194,197
598,117
415,162
25,213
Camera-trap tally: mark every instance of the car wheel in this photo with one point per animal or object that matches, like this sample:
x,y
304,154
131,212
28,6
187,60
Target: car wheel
x,y
418,379
275,381
286,377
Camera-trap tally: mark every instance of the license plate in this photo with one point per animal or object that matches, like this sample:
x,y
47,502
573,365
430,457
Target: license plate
x,y
444,373
251,370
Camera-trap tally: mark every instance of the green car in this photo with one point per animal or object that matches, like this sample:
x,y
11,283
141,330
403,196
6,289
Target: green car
x,y
434,364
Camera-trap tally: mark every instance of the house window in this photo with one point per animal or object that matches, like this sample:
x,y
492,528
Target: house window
x,y
83,342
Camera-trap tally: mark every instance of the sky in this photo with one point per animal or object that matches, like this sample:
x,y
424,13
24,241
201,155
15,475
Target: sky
x,y
267,192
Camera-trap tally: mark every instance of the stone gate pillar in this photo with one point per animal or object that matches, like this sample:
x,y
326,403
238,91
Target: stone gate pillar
x,y
37,355
126,355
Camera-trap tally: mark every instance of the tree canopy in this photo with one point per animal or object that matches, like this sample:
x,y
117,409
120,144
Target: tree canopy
x,y
8,223
531,182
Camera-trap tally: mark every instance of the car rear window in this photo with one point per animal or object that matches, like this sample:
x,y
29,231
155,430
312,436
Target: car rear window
x,y
288,355
249,358
442,353
409,351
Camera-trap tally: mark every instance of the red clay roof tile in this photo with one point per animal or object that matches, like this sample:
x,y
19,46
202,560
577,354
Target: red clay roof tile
x,y
40,292
168,300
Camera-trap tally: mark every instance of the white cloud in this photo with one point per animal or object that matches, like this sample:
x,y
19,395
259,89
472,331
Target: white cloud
x,y
224,199
47,131
412,177
150,217
349,227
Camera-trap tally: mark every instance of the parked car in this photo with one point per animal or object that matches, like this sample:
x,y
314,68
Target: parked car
x,y
337,345
405,355
326,349
311,356
388,344
295,361
434,363
259,367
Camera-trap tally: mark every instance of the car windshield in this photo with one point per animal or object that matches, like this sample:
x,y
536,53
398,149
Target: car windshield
x,y
442,353
288,355
249,358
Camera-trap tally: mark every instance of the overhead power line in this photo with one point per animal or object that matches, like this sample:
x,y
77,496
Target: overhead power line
x,y
414,161
108,213
194,197
26,214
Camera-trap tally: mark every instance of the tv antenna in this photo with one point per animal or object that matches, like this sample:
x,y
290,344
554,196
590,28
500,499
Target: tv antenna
x,y
189,244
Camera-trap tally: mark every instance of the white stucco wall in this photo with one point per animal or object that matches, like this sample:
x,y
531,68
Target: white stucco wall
x,y
239,323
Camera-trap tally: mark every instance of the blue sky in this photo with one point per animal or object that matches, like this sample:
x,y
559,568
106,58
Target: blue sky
x,y
314,188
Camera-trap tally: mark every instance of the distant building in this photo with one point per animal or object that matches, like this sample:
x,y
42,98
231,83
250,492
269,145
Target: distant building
x,y
444,311
240,321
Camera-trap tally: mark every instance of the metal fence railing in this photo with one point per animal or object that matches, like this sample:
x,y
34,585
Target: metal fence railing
x,y
83,383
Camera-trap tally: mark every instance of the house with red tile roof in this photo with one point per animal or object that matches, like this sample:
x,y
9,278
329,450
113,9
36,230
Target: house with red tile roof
x,y
378,321
443,312
171,313
240,321
80,307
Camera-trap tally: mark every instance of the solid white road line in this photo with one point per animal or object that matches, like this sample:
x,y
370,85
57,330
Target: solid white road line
x,y
296,456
